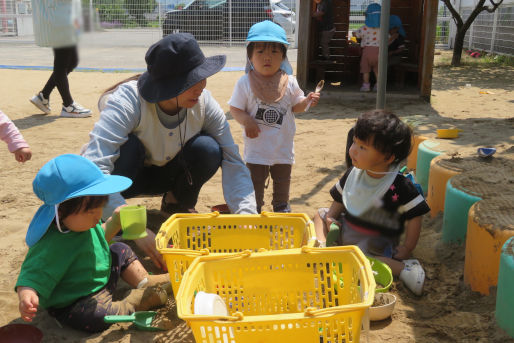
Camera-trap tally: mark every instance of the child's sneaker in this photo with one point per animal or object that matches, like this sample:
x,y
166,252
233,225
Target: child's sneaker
x,y
40,102
375,87
365,87
75,110
413,276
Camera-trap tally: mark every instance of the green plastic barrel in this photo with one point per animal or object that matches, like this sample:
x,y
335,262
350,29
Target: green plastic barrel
x,y
455,216
505,295
426,152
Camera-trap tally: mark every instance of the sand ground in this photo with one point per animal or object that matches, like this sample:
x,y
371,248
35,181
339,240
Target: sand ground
x,y
448,311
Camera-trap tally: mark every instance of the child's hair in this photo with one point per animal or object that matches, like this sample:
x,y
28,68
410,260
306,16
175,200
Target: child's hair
x,y
386,132
251,46
134,77
81,204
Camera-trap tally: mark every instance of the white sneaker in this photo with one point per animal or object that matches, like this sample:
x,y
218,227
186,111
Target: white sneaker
x,y
75,110
365,87
40,102
413,276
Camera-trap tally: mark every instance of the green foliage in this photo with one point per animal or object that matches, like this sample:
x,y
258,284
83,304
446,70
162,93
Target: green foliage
x,y
137,8
126,13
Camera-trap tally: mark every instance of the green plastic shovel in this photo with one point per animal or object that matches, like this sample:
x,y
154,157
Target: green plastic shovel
x,y
142,320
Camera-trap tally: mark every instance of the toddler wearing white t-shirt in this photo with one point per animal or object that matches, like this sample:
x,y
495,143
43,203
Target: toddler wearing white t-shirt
x,y
263,102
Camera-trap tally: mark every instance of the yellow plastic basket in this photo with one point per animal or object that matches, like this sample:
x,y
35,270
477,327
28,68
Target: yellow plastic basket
x,y
301,295
194,235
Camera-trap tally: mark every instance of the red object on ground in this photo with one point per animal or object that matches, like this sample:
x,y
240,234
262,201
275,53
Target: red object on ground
x,y
20,333
222,209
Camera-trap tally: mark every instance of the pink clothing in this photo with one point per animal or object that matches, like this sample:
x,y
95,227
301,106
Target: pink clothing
x,y
369,59
9,133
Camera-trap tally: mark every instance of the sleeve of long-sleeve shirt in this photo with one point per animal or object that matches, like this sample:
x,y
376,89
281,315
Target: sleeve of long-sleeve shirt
x,y
237,183
118,119
10,134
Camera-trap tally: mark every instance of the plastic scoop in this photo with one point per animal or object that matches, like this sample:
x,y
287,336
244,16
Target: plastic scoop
x,y
142,320
20,333
486,152
319,87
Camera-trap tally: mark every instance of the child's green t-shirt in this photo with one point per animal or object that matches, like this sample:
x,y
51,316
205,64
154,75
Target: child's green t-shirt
x,y
63,267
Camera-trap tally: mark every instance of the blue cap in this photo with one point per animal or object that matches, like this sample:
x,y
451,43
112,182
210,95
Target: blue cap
x,y
395,21
65,177
373,15
267,31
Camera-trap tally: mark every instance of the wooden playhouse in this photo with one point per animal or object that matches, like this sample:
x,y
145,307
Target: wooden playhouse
x,y
413,75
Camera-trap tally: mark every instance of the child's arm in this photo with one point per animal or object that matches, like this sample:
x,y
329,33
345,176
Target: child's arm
x,y
412,231
29,302
322,226
23,154
251,128
10,134
300,107
112,225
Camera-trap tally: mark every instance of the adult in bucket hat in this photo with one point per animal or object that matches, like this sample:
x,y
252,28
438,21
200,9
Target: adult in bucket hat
x,y
166,132
70,270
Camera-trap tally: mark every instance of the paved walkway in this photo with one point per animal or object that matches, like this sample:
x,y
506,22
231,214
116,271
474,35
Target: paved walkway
x,y
112,49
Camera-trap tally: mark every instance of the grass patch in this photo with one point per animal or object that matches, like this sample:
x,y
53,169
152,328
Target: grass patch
x,y
485,59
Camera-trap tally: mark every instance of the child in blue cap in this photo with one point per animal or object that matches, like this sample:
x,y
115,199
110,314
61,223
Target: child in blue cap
x,y
370,41
264,102
70,270
397,37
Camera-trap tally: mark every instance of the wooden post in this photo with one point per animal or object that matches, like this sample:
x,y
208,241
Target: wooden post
x,y
303,15
430,26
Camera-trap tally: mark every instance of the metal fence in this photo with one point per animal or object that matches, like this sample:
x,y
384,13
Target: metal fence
x,y
210,21
492,32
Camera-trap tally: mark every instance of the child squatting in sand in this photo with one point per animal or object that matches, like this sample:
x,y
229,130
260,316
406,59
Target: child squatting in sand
x,y
264,102
373,204
70,270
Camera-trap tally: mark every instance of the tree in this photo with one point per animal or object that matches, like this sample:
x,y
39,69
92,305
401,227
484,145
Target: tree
x,y
463,26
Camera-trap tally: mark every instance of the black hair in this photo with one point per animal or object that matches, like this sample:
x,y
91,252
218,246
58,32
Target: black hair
x,y
386,132
81,204
251,47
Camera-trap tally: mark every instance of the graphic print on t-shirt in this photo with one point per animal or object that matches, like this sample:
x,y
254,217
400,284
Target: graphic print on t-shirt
x,y
271,116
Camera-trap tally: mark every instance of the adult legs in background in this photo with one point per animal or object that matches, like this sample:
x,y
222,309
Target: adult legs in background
x,y
281,175
325,38
65,60
259,173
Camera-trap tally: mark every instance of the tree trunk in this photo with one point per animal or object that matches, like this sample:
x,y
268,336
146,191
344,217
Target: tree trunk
x,y
457,48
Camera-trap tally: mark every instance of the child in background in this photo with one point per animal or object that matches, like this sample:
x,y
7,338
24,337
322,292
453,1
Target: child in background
x,y
263,102
370,41
70,269
373,204
15,143
396,40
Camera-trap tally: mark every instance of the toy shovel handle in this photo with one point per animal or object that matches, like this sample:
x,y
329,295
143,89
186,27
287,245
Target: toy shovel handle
x,y
119,319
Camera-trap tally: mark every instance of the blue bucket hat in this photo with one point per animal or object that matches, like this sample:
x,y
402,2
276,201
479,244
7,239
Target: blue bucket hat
x,y
373,15
65,177
395,21
267,31
174,64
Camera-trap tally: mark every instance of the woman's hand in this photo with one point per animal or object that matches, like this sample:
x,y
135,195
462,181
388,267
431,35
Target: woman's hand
x,y
147,244
251,128
29,302
22,154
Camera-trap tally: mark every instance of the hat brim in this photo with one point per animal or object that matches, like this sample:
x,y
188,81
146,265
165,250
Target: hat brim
x,y
46,213
154,91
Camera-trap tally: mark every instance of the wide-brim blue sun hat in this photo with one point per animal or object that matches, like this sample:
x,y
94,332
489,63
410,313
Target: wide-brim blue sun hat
x,y
267,31
65,177
395,21
373,15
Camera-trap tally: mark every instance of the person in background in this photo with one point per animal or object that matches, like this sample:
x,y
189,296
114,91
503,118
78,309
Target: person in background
x,y
264,102
397,37
57,25
369,35
10,134
325,17
373,204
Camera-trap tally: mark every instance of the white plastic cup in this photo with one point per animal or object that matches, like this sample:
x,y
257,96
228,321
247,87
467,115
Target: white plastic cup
x,y
209,304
